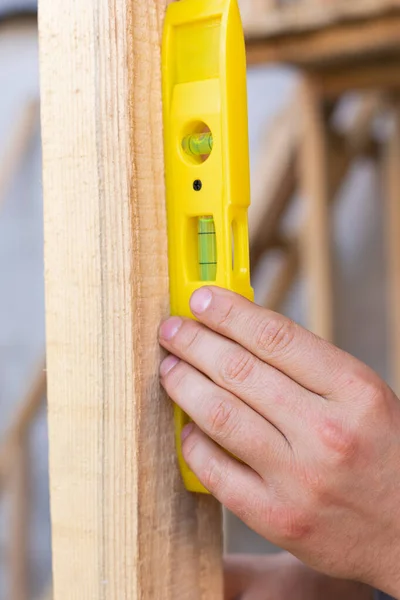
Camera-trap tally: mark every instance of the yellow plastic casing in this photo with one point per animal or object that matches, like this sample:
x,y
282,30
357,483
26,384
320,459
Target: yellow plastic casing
x,y
204,88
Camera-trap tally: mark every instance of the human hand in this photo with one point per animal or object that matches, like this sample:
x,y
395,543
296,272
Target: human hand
x,y
316,430
283,577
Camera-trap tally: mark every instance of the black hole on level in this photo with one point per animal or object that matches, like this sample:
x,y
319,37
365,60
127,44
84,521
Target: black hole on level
x,y
197,185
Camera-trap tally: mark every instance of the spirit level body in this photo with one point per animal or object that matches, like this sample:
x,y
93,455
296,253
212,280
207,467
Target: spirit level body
x,y
204,91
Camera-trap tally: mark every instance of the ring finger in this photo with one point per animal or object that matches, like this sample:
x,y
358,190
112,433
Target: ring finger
x,y
223,417
265,389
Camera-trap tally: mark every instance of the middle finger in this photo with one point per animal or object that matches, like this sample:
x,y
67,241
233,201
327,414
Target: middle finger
x,y
265,389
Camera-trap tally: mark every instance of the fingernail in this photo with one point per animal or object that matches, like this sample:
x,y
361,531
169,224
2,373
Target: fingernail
x,y
186,431
168,364
170,328
200,300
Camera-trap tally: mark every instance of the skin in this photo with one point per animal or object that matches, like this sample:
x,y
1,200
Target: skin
x,y
316,431
283,577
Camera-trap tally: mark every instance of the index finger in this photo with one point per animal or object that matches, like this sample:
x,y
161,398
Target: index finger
x,y
307,359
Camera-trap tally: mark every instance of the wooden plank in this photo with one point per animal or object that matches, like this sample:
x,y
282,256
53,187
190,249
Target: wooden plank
x,y
252,10
314,189
274,19
19,522
17,144
25,414
337,43
356,142
392,197
122,524
275,179
378,75
283,280
18,22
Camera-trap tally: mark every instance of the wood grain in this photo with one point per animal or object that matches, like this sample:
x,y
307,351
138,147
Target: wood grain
x,y
123,526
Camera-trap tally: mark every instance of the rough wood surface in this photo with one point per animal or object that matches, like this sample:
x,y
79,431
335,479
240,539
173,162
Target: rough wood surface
x,y
123,527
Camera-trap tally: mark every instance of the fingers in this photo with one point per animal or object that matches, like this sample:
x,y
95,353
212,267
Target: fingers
x,y
255,501
231,423
234,484
313,363
268,391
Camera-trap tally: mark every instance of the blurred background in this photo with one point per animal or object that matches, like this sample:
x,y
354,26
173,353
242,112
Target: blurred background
x,y
349,131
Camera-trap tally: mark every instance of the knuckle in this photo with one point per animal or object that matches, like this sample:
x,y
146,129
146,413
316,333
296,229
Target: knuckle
x,y
189,446
375,392
318,492
291,524
190,335
225,316
275,335
175,379
222,419
368,386
341,441
237,366
214,475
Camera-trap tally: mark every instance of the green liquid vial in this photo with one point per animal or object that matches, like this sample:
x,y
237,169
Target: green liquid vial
x,y
198,144
207,249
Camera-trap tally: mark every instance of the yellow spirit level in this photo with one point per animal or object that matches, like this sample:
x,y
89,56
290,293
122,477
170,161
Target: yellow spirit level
x,y
206,158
